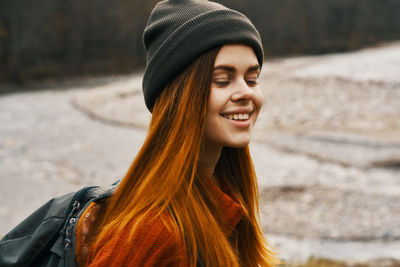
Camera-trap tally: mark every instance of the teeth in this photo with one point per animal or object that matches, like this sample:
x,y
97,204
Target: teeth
x,y
241,116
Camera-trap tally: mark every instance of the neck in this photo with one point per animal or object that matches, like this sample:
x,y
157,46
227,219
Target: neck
x,y
210,154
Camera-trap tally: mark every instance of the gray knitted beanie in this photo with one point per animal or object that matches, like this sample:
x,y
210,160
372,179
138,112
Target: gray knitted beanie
x,y
179,31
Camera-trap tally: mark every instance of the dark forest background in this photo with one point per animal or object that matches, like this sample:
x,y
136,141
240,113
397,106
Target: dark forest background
x,y
63,38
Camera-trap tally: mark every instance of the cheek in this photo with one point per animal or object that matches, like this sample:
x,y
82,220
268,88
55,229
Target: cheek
x,y
258,99
212,110
215,101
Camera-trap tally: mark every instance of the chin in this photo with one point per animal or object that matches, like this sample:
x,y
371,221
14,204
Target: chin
x,y
238,146
241,144
238,141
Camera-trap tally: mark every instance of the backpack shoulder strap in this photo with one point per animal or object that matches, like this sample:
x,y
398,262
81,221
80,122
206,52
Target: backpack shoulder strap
x,y
30,243
64,247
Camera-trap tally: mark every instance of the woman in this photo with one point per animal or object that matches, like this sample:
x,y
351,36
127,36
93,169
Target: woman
x,y
190,196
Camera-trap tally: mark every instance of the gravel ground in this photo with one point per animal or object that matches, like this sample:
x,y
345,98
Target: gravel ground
x,y
358,214
48,147
327,166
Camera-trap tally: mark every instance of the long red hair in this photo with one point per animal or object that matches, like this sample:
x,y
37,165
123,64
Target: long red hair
x,y
169,160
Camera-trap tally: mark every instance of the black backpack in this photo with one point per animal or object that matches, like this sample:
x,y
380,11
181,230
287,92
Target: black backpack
x,y
47,237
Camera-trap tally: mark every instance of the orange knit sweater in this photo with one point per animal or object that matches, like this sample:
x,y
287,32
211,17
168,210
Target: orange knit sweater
x,y
153,245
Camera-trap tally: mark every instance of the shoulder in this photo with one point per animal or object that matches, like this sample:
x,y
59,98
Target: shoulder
x,y
155,242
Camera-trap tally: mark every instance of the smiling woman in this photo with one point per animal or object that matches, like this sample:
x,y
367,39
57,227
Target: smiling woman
x,y
235,98
190,197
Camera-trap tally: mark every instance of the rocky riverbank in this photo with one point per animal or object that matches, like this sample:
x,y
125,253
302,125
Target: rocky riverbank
x,y
326,150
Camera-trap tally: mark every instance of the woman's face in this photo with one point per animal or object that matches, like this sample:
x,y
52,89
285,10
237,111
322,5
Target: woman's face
x,y
235,97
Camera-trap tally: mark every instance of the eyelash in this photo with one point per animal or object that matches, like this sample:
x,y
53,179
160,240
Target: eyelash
x,y
226,83
253,83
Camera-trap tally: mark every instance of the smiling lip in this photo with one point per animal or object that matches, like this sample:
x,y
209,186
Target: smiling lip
x,y
241,110
239,123
244,113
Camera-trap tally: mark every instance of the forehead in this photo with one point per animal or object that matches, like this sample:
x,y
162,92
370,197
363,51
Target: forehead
x,y
236,54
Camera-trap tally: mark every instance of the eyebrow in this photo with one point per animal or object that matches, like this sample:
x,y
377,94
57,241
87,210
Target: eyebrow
x,y
232,69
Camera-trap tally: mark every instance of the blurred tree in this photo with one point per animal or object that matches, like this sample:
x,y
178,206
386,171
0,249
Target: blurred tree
x,y
47,38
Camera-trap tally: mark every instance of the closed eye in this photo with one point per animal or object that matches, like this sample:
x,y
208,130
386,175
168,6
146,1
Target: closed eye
x,y
221,83
252,82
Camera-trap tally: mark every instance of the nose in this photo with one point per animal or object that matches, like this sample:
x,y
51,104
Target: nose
x,y
243,92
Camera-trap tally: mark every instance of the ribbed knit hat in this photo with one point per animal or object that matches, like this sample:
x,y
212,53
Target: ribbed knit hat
x,y
179,31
